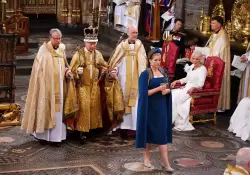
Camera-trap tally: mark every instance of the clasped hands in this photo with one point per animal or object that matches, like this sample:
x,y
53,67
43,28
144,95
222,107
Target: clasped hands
x,y
163,89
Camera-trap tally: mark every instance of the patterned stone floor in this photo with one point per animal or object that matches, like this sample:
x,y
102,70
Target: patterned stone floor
x,y
206,151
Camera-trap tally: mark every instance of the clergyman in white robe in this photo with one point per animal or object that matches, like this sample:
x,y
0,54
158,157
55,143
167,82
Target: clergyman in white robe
x,y
240,120
181,100
58,133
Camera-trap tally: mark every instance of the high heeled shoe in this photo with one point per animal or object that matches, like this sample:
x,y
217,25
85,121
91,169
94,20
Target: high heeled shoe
x,y
148,165
167,168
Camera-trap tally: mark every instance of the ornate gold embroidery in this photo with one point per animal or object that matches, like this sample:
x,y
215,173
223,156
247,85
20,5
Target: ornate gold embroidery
x,y
210,69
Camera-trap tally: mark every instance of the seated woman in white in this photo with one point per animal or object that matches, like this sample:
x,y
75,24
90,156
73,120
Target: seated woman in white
x,y
195,79
240,120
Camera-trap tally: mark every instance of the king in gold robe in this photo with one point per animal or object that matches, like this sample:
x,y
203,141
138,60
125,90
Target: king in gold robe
x,y
43,113
89,115
128,61
220,46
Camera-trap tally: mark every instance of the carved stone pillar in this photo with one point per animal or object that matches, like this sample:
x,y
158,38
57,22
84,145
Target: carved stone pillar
x,y
179,9
192,10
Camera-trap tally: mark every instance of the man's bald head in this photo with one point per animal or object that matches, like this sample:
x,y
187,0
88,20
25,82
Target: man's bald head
x,y
132,33
243,158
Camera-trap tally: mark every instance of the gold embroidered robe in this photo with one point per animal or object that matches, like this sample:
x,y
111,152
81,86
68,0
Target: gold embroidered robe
x,y
220,46
89,115
235,170
43,97
120,92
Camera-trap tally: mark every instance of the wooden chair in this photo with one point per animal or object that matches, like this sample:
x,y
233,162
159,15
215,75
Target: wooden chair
x,y
19,25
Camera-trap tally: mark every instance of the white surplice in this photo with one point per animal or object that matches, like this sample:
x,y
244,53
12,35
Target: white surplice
x,y
240,120
181,100
129,120
246,83
120,17
58,133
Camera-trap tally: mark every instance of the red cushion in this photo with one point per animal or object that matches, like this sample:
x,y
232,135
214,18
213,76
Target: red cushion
x,y
203,100
207,85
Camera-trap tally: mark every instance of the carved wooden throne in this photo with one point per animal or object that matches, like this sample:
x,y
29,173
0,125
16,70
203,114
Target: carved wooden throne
x,y
206,100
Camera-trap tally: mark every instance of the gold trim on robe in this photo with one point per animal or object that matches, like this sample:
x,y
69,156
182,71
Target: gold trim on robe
x,y
42,99
89,115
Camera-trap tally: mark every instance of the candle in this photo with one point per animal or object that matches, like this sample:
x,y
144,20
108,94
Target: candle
x,y
93,5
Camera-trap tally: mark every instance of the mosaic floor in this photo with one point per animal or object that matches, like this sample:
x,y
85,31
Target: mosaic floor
x,y
206,151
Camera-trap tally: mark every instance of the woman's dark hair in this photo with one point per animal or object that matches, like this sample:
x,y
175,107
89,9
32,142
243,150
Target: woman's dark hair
x,y
152,52
219,19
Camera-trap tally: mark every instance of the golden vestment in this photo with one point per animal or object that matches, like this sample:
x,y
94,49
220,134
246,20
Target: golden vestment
x,y
43,97
114,94
235,170
242,81
220,46
89,115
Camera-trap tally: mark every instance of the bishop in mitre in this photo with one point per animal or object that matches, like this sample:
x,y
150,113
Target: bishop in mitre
x,y
240,120
242,166
87,66
126,65
43,113
219,45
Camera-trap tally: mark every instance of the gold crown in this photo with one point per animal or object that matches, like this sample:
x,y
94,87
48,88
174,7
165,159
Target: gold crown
x,y
90,34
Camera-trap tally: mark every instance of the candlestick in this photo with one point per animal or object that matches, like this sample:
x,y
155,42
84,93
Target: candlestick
x,y
3,10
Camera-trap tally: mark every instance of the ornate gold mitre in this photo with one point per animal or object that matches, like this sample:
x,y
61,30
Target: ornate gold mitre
x,y
90,34
219,10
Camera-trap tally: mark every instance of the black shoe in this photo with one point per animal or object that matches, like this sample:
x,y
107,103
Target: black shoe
x,y
56,144
124,133
43,142
83,139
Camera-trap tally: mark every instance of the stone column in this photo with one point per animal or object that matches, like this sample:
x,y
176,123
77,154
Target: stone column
x,y
192,10
179,8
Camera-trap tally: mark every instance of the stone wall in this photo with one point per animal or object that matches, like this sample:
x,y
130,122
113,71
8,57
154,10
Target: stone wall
x,y
192,11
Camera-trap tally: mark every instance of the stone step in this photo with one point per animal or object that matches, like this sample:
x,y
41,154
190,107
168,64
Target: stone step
x,y
23,70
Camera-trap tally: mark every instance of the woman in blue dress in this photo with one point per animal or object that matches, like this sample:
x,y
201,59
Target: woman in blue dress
x,y
154,116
